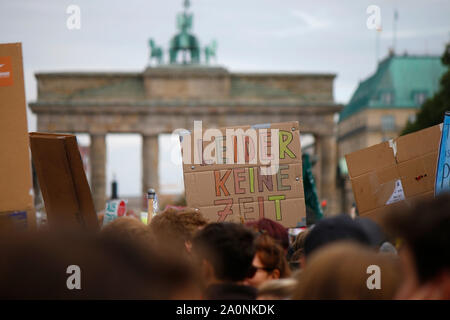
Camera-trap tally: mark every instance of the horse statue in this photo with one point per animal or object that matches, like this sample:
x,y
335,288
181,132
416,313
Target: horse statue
x,y
184,41
210,51
155,51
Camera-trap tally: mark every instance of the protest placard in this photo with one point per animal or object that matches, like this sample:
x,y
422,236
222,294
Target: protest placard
x,y
442,184
394,173
245,173
16,197
67,197
114,209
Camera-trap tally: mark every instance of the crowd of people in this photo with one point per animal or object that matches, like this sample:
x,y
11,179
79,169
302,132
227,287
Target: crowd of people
x,y
181,255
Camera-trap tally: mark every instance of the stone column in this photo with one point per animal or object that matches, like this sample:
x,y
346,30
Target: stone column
x,y
98,170
150,176
328,161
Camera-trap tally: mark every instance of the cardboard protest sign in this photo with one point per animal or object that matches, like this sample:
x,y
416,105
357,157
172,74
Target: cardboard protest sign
x,y
442,184
114,209
245,173
66,193
394,173
16,200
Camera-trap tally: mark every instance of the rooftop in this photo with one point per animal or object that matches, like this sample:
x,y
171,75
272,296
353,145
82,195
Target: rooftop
x,y
397,83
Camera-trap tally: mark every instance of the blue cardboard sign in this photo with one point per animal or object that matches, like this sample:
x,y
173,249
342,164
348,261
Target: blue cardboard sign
x,y
442,184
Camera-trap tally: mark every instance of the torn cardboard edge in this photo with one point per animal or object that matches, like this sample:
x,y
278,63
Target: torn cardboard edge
x,y
394,171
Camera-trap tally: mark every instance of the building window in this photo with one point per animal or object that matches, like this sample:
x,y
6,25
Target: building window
x,y
420,97
387,98
387,123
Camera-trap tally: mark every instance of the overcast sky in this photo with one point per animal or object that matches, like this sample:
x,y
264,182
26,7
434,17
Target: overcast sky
x,y
252,35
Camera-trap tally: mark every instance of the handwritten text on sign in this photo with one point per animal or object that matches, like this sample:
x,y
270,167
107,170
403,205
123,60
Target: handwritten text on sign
x,y
238,185
443,165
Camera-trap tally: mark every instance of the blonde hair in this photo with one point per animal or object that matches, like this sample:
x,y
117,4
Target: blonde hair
x,y
339,271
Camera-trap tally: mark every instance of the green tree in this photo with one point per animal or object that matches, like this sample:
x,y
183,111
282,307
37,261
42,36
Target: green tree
x,y
433,110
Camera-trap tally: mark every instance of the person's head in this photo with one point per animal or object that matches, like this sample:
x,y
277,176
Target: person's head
x,y
128,228
50,265
298,247
271,228
225,252
425,254
177,227
334,229
193,221
279,289
347,270
269,262
373,231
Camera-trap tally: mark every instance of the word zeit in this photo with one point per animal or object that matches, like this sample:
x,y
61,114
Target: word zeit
x,y
257,182
247,147
227,309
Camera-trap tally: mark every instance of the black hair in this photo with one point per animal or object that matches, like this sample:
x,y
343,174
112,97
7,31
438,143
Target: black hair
x,y
229,247
333,229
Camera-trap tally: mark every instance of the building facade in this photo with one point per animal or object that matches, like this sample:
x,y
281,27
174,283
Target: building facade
x,y
383,104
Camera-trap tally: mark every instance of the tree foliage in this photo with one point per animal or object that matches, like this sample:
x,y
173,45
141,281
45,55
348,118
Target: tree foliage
x,y
433,110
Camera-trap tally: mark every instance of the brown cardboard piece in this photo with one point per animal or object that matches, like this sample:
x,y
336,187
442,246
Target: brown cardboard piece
x,y
394,173
15,162
279,197
67,197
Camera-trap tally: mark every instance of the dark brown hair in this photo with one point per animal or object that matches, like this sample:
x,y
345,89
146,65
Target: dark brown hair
x,y
272,255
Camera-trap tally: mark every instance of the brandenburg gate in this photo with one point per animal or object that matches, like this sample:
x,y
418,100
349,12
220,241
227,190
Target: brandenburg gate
x,y
165,97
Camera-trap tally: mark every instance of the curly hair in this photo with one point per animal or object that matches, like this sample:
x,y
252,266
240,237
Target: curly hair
x,y
177,226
